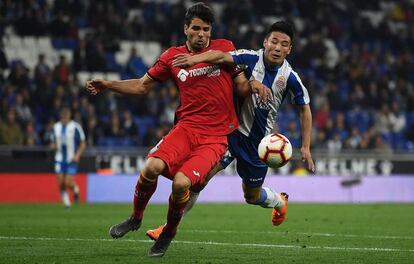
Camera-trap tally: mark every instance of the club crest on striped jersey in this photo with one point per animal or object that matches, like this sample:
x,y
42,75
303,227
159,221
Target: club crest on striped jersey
x,y
281,83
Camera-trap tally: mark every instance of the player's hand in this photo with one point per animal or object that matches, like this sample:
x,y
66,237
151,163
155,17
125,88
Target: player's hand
x,y
76,159
96,86
307,157
265,94
183,61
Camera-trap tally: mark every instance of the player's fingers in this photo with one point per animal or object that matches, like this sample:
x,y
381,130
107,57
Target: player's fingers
x,y
179,62
311,165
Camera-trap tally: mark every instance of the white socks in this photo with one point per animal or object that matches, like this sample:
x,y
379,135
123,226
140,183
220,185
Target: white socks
x,y
273,199
65,198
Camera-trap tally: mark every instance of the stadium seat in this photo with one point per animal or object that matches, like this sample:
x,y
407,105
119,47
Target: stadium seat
x,y
112,76
84,76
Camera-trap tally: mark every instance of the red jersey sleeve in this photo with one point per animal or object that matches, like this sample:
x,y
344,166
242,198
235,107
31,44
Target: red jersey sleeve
x,y
236,69
160,71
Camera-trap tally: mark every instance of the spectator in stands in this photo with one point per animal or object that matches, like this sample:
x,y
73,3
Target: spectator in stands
x,y
294,135
381,147
354,140
62,71
129,127
95,57
397,119
168,115
31,138
46,133
60,26
383,121
335,144
19,75
3,59
10,130
23,112
113,128
135,65
93,131
322,116
41,71
80,60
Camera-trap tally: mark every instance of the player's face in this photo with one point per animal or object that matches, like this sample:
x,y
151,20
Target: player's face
x,y
277,46
198,34
65,116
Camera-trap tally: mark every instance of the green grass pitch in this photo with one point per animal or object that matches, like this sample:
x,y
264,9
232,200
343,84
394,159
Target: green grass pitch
x,y
211,233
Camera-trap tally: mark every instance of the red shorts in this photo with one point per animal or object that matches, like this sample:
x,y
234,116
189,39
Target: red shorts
x,y
192,154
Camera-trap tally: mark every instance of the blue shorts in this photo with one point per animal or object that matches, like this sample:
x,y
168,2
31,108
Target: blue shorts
x,y
249,166
66,168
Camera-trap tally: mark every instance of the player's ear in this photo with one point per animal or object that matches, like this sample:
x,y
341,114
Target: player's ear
x,y
185,29
264,43
290,49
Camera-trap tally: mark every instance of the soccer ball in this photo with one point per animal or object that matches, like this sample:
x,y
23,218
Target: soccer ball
x,y
275,150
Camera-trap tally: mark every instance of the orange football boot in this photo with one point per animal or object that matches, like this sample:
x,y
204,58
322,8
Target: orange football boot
x,y
155,233
279,216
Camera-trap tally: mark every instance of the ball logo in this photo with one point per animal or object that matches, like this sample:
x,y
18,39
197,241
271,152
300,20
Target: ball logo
x,y
182,75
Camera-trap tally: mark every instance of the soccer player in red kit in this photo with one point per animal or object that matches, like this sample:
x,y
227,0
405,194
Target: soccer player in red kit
x,y
205,117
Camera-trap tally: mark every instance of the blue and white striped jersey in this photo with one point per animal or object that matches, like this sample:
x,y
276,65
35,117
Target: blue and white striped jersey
x,y
67,138
257,120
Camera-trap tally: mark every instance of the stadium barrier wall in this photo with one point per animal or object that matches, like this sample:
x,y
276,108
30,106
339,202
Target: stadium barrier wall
x,y
227,189
131,160
34,188
96,188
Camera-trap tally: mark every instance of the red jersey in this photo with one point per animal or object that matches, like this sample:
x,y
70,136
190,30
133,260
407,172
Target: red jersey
x,y
206,90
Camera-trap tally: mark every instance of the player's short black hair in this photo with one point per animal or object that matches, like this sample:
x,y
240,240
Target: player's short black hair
x,y
282,26
200,10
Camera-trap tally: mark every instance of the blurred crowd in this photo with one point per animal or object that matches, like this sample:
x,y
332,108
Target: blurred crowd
x,y
355,57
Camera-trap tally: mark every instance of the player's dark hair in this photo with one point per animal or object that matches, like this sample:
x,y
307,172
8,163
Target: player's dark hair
x,y
200,10
282,26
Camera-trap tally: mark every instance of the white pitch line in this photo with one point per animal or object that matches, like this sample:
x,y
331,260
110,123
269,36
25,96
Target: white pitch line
x,y
298,233
211,243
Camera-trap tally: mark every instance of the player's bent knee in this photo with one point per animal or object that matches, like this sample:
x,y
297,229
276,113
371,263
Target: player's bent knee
x,y
181,183
154,167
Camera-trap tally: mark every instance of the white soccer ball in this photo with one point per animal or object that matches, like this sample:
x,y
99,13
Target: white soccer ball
x,y
275,150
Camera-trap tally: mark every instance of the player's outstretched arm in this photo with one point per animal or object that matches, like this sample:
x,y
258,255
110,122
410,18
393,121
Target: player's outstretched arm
x,y
211,56
247,87
132,86
306,127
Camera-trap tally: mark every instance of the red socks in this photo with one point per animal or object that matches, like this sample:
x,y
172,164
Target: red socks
x,y
176,207
143,192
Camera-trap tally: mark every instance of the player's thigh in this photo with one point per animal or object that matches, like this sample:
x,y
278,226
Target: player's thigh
x,y
173,150
70,180
253,175
201,161
60,178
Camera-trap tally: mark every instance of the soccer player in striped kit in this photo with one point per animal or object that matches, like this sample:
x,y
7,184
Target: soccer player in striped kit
x,y
269,66
68,140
